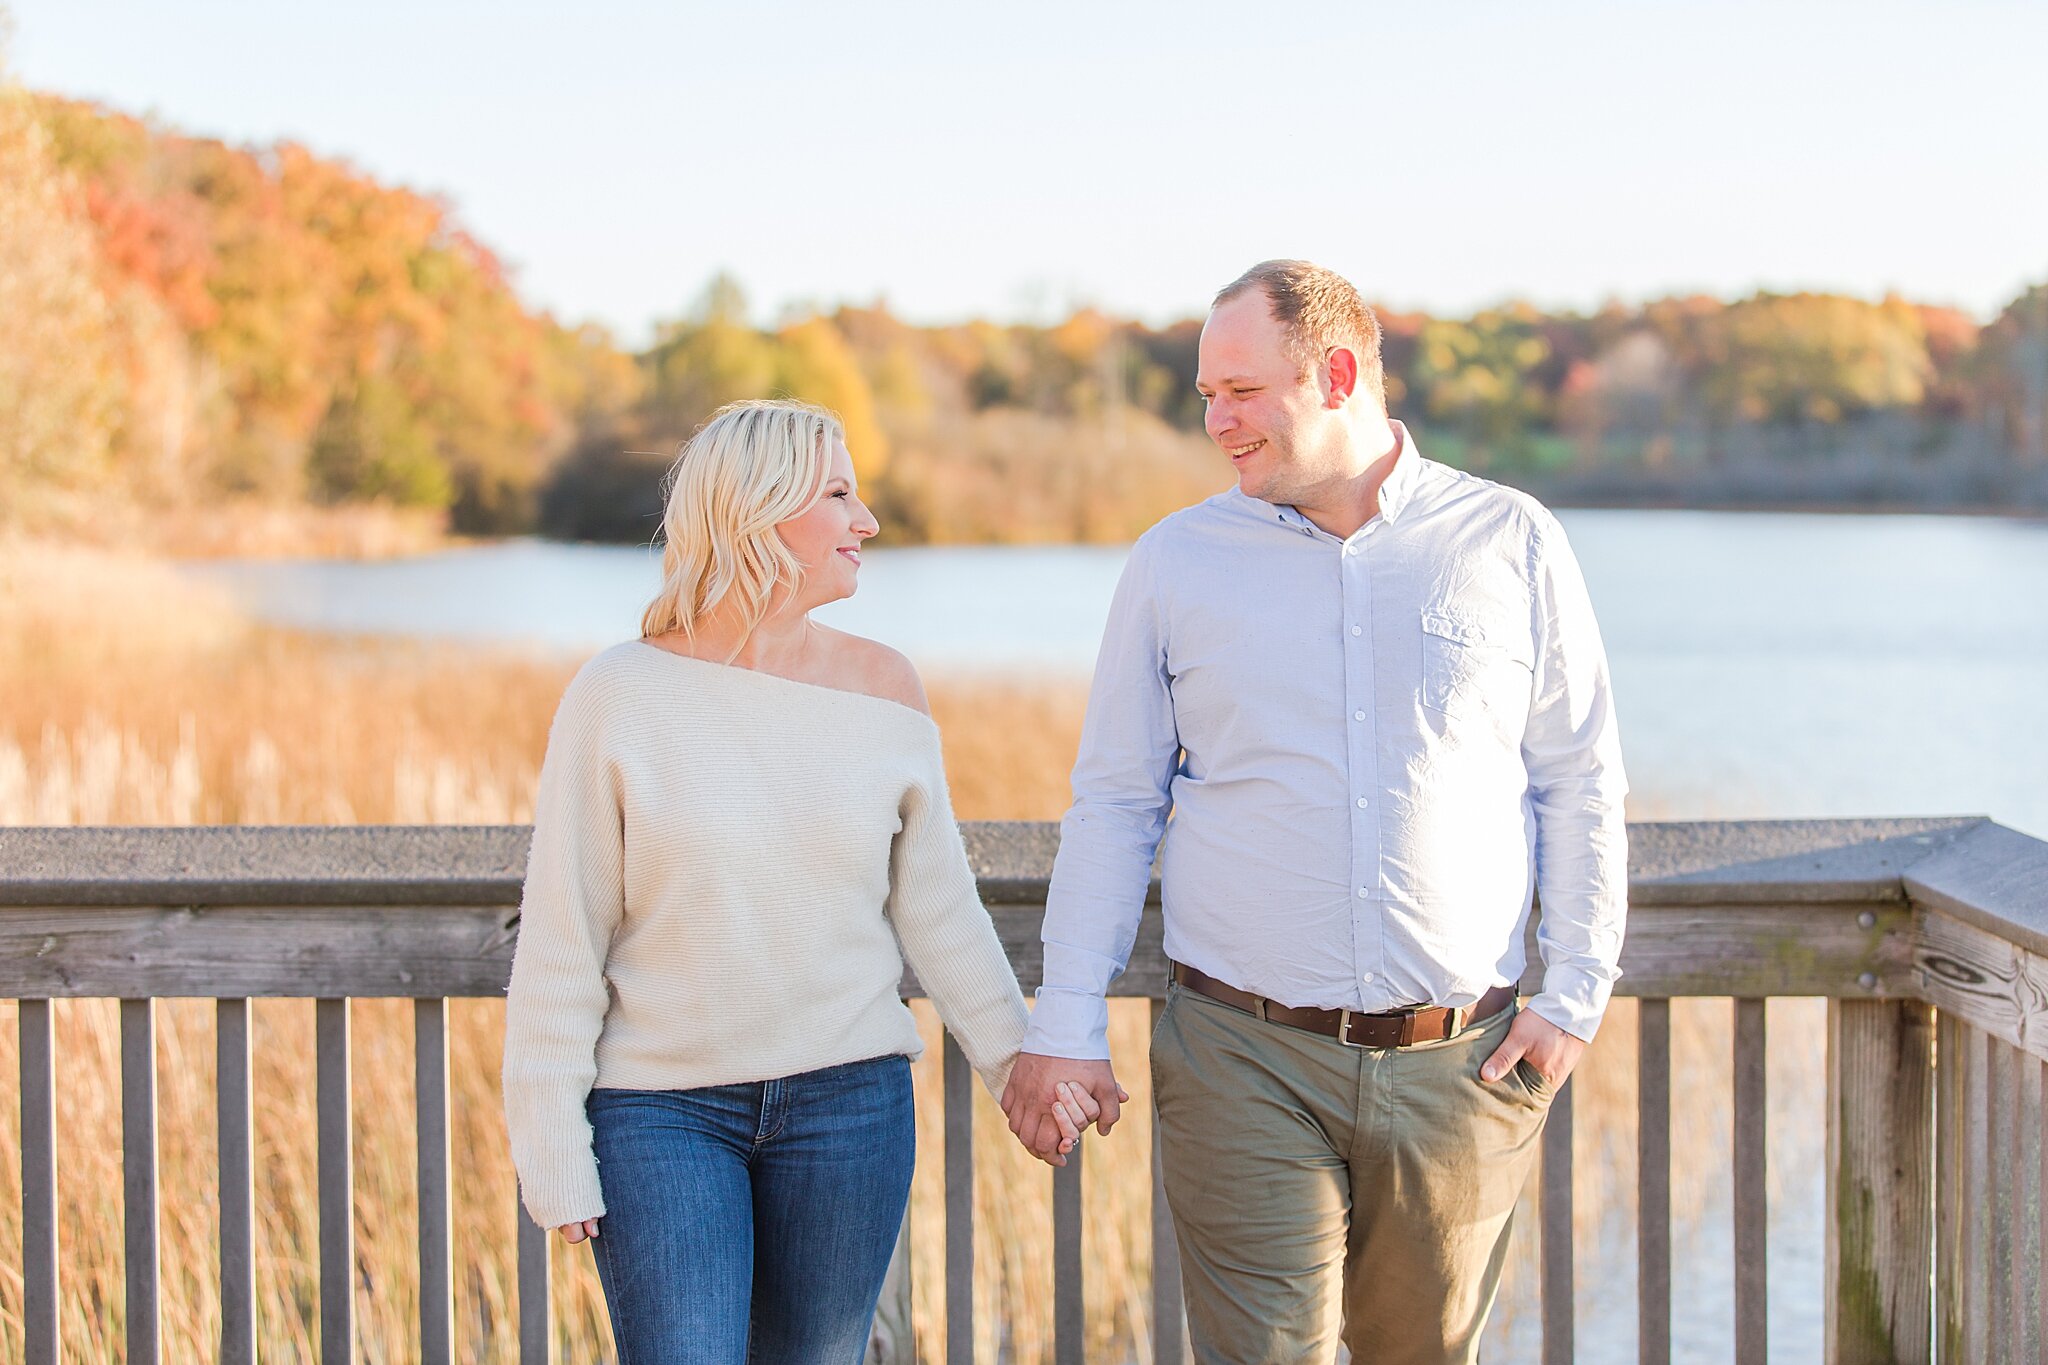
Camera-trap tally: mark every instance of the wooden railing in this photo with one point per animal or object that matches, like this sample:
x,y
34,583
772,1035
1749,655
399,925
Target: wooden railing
x,y
1928,938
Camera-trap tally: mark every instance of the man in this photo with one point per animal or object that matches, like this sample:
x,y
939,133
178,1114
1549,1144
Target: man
x,y
1370,691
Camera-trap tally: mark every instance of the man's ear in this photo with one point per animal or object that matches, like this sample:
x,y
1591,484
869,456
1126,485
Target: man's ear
x,y
1340,377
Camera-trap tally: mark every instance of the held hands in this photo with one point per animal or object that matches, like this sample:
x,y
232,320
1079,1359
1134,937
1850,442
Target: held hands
x,y
1049,1100
572,1233
1544,1045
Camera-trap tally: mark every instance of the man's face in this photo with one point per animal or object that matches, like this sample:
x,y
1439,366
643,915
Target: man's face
x,y
1268,417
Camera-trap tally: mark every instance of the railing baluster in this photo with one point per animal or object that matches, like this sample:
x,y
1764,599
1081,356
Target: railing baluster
x,y
138,1176
1752,1212
2040,1272
1069,1305
2027,1138
1559,1284
958,1082
337,1181
2002,1081
430,1087
1948,1203
1974,1131
1653,1182
1169,1327
533,1290
233,1116
38,1182
1881,1186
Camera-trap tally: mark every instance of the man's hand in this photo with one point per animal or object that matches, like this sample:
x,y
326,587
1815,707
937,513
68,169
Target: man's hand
x,y
1034,1088
1548,1048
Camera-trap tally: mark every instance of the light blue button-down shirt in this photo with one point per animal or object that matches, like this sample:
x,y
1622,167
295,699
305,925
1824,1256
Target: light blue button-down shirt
x,y
1374,751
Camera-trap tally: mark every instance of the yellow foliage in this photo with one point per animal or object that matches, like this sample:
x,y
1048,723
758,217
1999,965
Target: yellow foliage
x,y
59,370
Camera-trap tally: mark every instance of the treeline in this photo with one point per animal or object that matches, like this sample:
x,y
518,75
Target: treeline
x,y
183,321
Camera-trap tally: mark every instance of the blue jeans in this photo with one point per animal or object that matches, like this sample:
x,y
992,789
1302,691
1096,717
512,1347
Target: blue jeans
x,y
753,1222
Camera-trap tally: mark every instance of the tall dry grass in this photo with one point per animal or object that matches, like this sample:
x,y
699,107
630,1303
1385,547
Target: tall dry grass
x,y
130,696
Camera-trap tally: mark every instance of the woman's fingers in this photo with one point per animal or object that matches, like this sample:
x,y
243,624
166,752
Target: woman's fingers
x,y
572,1233
1080,1103
1065,1114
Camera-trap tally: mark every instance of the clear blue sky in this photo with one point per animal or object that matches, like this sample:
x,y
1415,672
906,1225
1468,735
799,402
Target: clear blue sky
x,y
961,159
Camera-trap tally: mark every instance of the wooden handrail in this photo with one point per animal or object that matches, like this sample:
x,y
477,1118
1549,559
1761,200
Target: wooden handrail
x,y
1928,937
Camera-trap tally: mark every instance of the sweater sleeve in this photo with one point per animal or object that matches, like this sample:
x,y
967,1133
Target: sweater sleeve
x,y
947,935
556,1003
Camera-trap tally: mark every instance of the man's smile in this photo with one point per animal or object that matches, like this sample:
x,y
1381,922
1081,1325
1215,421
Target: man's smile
x,y
1240,452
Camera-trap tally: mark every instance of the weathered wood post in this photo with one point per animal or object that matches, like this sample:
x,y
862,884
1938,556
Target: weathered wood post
x,y
1880,1196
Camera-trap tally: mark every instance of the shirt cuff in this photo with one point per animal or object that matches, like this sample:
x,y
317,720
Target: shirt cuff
x,y
1070,1024
1573,999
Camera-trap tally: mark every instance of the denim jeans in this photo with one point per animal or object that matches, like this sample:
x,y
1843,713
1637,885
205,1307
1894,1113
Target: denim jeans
x,y
754,1222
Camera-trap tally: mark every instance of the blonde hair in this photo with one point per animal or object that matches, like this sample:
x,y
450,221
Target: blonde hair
x,y
1321,310
755,463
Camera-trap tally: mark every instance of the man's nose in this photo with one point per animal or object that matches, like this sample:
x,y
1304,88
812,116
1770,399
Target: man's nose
x,y
1219,418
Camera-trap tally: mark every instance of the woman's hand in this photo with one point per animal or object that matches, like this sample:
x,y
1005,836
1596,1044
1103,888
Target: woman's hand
x,y
572,1233
1074,1110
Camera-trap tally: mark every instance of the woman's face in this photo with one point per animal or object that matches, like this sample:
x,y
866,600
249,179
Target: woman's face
x,y
825,537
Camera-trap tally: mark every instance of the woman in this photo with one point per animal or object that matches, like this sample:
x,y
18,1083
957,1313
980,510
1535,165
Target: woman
x,y
707,1066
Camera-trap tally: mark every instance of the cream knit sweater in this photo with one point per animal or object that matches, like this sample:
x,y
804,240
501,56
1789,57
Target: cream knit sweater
x,y
719,856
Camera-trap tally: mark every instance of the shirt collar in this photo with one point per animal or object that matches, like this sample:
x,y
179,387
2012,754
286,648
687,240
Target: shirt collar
x,y
1395,494
1399,489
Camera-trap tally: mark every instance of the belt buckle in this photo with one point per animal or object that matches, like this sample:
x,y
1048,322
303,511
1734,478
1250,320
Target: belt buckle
x,y
1344,1029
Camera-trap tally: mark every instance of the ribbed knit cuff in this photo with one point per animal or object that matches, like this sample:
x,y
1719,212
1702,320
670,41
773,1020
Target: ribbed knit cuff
x,y
561,1188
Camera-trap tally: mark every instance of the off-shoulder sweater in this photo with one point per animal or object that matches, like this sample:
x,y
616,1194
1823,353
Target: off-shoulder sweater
x,y
719,857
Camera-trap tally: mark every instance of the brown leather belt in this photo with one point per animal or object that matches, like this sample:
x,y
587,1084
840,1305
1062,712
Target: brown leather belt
x,y
1395,1028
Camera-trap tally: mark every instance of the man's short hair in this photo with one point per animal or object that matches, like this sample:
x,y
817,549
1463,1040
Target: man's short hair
x,y
1321,311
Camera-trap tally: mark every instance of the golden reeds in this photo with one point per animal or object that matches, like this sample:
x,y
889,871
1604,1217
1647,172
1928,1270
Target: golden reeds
x,y
130,696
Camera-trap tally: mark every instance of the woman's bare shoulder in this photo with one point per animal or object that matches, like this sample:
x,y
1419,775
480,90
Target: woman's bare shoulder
x,y
869,666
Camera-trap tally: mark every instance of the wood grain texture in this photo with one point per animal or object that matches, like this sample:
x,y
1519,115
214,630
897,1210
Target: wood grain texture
x,y
1653,1182
1992,983
304,951
1556,1269
235,1116
1752,1185
334,1105
39,1265
1949,1221
958,1087
536,1316
1974,1122
1169,1323
433,1160
1880,1182
1069,1282
139,1207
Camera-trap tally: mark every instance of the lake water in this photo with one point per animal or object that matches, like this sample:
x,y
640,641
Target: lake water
x,y
1766,665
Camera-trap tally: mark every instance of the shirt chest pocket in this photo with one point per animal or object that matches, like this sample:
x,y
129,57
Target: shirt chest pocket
x,y
1473,663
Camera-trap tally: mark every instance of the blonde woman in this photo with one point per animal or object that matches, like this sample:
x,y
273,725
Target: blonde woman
x,y
707,1067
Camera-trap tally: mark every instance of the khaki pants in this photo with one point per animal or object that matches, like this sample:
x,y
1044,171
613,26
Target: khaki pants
x,y
1322,1191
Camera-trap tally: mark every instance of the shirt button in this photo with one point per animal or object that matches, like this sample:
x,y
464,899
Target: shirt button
x,y
1308,530
1362,803
1367,978
1350,549
1358,630
1364,891
1358,715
